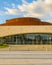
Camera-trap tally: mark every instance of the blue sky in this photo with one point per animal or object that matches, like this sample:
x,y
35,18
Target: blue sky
x,y
26,8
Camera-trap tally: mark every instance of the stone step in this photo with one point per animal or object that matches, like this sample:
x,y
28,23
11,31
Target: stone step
x,y
25,61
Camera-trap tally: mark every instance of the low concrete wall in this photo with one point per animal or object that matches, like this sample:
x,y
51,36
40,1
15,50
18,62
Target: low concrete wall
x,y
31,47
28,47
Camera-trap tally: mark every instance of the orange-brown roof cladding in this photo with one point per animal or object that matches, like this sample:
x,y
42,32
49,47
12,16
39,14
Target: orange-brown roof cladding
x,y
24,21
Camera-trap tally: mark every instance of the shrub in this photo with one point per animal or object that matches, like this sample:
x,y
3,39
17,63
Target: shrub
x,y
5,44
1,44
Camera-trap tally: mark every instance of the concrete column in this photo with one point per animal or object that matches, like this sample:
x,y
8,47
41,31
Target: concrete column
x,y
16,40
41,42
23,39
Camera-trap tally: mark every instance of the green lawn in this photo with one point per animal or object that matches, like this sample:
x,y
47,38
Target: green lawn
x,y
3,45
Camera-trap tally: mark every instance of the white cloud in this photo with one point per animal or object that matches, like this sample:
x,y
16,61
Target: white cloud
x,y
12,11
24,1
48,1
32,9
39,9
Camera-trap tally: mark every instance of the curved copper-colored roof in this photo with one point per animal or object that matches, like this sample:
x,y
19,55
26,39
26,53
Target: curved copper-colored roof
x,y
24,21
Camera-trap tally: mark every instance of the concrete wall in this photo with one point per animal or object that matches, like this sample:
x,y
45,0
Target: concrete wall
x,y
11,30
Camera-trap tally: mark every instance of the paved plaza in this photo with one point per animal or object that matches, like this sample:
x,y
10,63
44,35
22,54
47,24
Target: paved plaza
x,y
25,57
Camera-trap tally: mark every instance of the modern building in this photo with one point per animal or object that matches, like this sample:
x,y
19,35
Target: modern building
x,y
26,31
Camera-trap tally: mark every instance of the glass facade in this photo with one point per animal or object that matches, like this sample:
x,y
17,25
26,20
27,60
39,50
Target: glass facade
x,y
29,39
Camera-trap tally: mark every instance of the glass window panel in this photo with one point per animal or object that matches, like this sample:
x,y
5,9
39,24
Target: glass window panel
x,y
30,38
